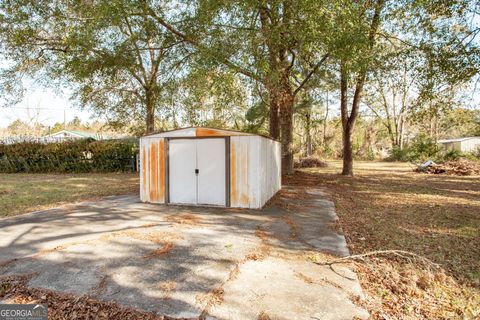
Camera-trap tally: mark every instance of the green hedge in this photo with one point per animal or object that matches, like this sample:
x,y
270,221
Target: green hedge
x,y
86,155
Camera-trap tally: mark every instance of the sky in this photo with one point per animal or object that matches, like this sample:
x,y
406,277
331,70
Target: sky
x,y
45,105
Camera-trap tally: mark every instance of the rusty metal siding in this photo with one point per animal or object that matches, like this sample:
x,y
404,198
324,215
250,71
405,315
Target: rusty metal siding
x,y
143,171
152,169
270,163
239,195
255,171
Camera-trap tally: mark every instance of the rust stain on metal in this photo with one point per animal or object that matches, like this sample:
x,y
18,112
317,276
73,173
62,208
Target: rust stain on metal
x,y
144,170
204,132
161,167
153,165
244,179
233,174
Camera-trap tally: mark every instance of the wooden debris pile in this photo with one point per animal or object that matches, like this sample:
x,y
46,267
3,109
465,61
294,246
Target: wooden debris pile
x,y
310,162
457,168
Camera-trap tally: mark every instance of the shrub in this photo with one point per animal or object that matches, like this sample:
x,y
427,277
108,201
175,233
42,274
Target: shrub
x,y
86,155
420,149
451,155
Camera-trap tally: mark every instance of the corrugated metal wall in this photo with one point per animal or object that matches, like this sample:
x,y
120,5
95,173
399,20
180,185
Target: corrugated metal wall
x,y
255,169
469,145
152,170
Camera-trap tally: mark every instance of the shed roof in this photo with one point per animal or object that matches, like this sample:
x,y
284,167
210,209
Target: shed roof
x,y
457,139
199,132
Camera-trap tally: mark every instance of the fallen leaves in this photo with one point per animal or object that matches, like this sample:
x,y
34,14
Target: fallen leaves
x,y
261,251
263,316
186,218
167,287
210,299
66,306
436,216
403,290
165,249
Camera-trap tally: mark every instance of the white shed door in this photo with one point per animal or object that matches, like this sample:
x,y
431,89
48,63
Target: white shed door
x,y
197,171
182,165
211,175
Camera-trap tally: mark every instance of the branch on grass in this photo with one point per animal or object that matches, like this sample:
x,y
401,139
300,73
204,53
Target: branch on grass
x,y
399,253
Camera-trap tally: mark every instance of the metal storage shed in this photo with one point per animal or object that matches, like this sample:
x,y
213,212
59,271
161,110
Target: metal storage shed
x,y
466,144
204,166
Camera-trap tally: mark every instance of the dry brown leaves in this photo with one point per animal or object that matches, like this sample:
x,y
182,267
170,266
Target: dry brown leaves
x,y
210,299
289,199
293,226
263,250
399,290
263,316
433,216
168,287
66,306
165,249
165,239
186,218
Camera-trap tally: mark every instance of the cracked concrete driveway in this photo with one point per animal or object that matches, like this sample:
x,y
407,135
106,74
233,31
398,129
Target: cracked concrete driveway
x,y
211,263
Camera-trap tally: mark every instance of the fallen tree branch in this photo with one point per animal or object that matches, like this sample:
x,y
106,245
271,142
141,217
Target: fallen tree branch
x,y
399,253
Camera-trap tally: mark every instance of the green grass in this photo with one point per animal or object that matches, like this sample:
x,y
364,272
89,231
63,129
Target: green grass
x,y
21,193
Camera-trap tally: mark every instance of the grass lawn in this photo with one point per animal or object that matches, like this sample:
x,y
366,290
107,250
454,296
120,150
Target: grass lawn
x,y
387,206
20,193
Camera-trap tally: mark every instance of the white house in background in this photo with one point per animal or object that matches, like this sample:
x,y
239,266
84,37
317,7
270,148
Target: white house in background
x,y
467,144
71,135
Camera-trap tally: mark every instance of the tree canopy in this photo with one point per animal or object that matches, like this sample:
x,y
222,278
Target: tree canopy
x,y
250,65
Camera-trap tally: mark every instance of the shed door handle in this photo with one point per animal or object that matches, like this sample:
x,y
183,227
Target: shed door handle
x,y
197,171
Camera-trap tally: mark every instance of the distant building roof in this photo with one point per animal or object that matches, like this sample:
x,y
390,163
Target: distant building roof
x,y
456,139
74,133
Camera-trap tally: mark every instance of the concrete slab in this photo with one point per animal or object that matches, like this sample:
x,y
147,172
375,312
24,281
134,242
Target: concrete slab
x,y
188,262
288,290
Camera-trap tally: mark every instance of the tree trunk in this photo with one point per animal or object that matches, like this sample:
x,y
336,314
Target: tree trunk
x,y
150,108
325,122
286,101
308,133
274,123
401,131
347,153
348,119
